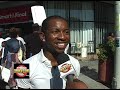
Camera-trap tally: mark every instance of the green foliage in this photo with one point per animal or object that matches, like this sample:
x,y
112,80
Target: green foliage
x,y
102,54
106,50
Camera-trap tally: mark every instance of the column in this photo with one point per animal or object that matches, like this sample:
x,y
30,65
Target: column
x,y
116,78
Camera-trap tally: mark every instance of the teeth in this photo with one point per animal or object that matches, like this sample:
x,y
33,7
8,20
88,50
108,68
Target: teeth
x,y
61,45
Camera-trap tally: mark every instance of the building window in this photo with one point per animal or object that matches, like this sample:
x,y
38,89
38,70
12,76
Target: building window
x,y
104,21
82,23
88,21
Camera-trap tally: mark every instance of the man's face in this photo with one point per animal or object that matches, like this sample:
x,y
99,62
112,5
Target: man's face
x,y
57,36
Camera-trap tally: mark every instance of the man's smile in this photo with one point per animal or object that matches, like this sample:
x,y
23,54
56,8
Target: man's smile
x,y
60,45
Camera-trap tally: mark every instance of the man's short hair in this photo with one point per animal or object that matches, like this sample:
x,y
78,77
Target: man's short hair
x,y
45,23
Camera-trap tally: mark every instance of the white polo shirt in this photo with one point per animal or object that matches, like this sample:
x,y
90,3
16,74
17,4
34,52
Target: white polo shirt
x,y
40,72
1,40
18,38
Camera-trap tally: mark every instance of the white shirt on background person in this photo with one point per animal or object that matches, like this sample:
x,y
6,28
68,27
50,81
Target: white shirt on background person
x,y
18,38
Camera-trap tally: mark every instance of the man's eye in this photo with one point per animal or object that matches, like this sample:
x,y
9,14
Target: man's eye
x,y
55,31
67,32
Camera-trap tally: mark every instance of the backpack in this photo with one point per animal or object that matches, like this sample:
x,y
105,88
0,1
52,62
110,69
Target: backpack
x,y
19,51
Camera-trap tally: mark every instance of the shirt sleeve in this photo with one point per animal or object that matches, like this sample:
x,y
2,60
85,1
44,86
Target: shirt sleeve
x,y
76,66
78,70
23,83
23,41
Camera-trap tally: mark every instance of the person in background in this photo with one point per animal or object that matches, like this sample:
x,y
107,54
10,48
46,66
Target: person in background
x,y
11,50
55,35
1,46
111,36
12,44
23,52
19,36
33,42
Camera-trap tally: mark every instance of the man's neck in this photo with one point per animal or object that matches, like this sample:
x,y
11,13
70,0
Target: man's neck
x,y
50,57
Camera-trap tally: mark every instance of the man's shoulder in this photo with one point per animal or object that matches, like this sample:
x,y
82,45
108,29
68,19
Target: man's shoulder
x,y
76,64
72,57
33,60
73,60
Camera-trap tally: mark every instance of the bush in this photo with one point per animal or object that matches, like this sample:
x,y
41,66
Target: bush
x,y
106,50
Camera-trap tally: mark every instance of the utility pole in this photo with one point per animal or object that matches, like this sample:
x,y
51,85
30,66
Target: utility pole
x,y
116,77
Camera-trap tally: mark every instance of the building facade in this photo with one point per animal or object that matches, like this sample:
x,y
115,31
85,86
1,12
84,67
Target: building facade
x,y
90,21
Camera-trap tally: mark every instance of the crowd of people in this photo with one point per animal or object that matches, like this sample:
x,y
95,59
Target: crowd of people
x,y
41,50
33,42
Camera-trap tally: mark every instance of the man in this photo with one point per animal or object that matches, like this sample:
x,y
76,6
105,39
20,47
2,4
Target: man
x,y
55,34
1,41
33,42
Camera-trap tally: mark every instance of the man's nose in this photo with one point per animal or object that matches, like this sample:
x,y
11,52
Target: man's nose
x,y
61,35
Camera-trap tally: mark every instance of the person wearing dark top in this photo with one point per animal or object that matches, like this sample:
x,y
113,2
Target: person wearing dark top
x,y
33,42
11,49
12,45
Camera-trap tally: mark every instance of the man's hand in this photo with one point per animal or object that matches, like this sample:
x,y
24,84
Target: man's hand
x,y
76,84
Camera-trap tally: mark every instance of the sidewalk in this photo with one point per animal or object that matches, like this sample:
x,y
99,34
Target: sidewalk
x,y
89,74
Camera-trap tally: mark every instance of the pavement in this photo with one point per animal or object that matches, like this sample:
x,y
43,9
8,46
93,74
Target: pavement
x,y
89,74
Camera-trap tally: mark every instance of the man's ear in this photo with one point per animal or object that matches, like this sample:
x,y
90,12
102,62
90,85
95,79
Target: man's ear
x,y
42,36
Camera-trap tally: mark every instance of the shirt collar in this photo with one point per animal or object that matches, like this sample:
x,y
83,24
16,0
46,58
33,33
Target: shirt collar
x,y
45,60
